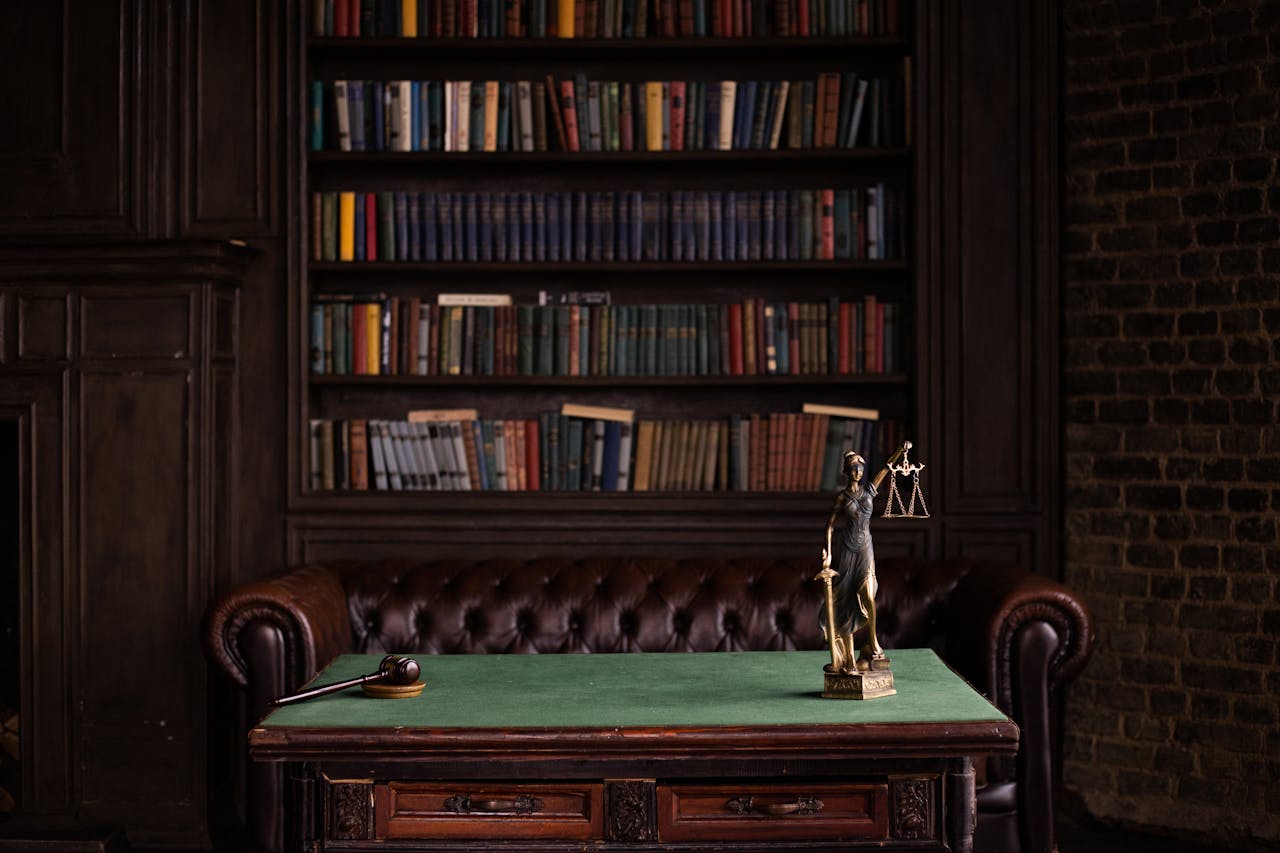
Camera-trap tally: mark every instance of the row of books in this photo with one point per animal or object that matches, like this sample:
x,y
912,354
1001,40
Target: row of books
x,y
833,111
626,19
621,226
570,450
453,336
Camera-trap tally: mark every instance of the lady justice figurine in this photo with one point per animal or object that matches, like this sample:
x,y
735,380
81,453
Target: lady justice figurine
x,y
850,602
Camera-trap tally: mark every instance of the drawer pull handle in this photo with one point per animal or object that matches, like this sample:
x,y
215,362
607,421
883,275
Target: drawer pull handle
x,y
463,804
747,805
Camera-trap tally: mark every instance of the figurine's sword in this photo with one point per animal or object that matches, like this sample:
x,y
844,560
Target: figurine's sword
x,y
825,576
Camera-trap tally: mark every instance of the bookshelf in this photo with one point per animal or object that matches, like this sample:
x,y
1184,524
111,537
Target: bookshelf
x,y
777,278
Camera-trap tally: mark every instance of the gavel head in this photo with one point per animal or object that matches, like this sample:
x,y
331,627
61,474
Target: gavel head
x,y
399,669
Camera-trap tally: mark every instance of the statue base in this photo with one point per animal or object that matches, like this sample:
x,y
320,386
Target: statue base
x,y
873,683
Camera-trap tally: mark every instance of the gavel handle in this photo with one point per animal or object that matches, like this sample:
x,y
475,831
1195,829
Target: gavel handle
x,y
329,688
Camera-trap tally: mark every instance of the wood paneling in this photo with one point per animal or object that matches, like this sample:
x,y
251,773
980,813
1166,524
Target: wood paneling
x,y
68,88
997,349
230,119
124,539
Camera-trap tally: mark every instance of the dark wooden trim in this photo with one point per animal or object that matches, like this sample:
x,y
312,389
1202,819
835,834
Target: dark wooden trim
x,y
864,740
356,381
833,156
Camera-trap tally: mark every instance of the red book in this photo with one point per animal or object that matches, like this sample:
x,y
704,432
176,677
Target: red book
x,y
686,19
359,339
802,17
844,323
570,114
869,334
747,28
790,452
831,107
433,340
735,339
342,15
533,458
413,329
557,117
826,210
626,121
370,227
879,337
762,363
677,113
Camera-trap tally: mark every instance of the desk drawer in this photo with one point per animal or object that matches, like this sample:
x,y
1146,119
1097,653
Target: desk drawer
x,y
790,810
478,811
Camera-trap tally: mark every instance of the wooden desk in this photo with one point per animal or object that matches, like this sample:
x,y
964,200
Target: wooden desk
x,y
731,751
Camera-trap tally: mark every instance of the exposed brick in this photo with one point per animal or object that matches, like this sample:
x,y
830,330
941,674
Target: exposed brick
x,y
1199,557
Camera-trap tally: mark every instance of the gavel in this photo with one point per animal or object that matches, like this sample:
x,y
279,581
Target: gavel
x,y
393,669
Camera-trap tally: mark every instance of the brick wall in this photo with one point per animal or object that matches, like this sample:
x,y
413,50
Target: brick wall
x,y
1172,333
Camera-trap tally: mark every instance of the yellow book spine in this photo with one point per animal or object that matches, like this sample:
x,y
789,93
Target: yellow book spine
x,y
491,115
409,18
653,116
564,21
374,338
346,226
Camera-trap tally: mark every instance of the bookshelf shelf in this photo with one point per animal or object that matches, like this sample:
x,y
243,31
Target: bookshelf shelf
x,y
515,48
633,268
442,158
357,381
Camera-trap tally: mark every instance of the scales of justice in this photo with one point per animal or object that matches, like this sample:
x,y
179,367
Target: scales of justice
x,y
850,589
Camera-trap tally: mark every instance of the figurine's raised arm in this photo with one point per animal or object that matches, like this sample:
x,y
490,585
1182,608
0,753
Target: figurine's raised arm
x,y
892,460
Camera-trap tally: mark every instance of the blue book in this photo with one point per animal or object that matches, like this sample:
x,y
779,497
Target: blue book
x,y
444,217
317,337
677,225
476,139
341,338
730,238
485,218
526,226
566,226
621,225
584,342
843,231
715,206
498,213
427,201
580,226
767,236
711,123
415,227
402,226
458,215
610,461
504,115
374,98
435,116
471,243
593,227
551,202
748,226
782,338
360,226
713,340
539,226
317,115
355,113
513,226
635,223
415,114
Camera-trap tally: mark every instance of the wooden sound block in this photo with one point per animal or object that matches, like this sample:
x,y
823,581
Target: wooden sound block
x,y
393,691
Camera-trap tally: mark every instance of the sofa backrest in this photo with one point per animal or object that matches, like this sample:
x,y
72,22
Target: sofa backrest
x,y
624,605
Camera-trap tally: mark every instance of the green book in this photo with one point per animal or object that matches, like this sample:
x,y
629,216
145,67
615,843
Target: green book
x,y
386,225
328,235
544,316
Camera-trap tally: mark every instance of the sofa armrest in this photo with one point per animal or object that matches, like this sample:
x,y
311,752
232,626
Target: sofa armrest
x,y
1019,637
991,606
304,610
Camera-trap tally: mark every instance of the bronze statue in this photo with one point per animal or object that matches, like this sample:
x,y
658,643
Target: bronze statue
x,y
850,601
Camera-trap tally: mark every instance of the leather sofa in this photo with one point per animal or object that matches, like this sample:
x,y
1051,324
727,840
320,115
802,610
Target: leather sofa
x,y
1017,637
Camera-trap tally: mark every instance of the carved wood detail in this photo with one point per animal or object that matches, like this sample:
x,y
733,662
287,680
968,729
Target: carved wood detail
x,y
631,810
351,810
912,803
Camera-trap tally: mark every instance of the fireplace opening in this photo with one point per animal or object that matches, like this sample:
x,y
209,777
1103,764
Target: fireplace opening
x,y
10,623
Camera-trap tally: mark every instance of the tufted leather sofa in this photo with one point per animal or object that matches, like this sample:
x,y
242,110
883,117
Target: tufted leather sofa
x,y
1015,636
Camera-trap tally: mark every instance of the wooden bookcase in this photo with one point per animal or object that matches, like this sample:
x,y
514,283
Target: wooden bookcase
x,y
325,524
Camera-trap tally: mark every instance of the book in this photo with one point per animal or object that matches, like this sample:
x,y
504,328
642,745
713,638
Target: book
x,y
841,411
603,413
474,299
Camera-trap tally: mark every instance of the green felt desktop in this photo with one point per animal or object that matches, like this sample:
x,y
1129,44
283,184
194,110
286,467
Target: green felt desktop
x,y
635,690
